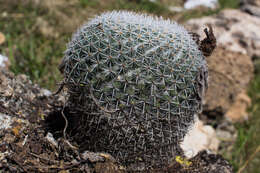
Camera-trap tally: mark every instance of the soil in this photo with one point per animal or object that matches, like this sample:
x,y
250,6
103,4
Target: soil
x,y
31,136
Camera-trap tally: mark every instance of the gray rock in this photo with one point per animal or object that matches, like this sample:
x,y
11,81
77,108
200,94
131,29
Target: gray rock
x,y
235,30
207,139
250,2
191,4
251,9
5,121
4,62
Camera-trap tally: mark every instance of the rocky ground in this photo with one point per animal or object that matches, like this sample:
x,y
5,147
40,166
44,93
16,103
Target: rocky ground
x,y
32,141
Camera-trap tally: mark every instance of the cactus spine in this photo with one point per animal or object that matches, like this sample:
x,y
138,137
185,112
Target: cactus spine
x,y
141,75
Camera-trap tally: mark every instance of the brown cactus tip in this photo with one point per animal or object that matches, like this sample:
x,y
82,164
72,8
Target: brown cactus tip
x,y
208,44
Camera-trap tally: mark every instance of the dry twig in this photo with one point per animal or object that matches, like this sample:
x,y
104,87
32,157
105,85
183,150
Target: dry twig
x,y
250,158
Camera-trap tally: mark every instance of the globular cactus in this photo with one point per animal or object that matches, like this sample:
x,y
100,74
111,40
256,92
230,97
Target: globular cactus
x,y
143,76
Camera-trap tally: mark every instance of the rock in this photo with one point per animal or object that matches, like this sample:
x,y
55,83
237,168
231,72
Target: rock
x,y
200,137
230,66
227,134
229,75
238,110
45,93
93,157
235,30
250,2
176,9
191,4
52,141
251,9
4,61
2,38
224,135
5,122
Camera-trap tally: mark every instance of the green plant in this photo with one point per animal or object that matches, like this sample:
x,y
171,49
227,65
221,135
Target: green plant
x,y
142,5
90,3
245,154
229,4
145,74
28,50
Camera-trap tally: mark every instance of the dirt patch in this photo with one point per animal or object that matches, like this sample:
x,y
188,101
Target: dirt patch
x,y
27,144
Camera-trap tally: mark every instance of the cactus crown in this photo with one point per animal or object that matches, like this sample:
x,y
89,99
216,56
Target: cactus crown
x,y
145,74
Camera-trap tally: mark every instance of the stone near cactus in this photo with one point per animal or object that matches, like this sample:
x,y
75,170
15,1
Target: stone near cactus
x,y
140,80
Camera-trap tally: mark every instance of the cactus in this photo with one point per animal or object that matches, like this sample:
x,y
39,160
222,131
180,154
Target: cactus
x,y
140,80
